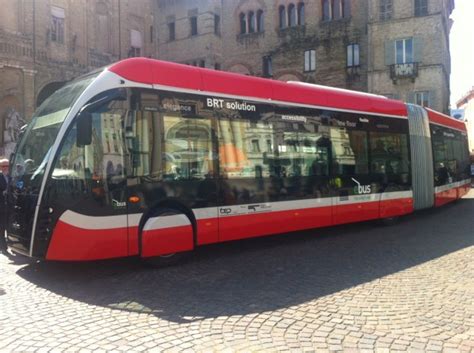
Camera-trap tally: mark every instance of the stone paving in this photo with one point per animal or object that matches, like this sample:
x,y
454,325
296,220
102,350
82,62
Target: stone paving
x,y
360,288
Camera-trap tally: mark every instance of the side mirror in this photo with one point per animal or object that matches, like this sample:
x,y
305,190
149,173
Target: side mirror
x,y
84,129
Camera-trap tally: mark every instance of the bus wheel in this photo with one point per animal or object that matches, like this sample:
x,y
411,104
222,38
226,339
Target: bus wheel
x,y
167,238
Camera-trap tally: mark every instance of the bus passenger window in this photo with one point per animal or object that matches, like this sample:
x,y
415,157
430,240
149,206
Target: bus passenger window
x,y
390,156
349,150
245,149
187,148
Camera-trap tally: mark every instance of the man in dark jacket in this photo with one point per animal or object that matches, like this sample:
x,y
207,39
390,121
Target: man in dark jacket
x,y
3,206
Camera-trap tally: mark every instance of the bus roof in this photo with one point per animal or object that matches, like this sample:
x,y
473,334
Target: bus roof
x,y
150,71
445,120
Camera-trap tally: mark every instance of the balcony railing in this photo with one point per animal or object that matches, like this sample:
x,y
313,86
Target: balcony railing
x,y
405,70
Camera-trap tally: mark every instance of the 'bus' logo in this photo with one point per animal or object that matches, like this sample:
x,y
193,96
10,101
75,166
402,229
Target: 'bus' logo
x,y
361,189
118,204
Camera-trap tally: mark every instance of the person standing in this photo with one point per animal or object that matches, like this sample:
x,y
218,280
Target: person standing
x,y
3,190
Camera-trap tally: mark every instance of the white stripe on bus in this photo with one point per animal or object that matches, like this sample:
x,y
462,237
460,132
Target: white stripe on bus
x,y
450,186
121,221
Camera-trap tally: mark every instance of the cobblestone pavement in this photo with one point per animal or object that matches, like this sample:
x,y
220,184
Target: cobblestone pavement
x,y
364,287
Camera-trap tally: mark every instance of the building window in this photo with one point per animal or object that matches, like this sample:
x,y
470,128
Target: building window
x,y
194,25
301,14
386,7
327,10
135,43
353,55
346,8
421,7
217,25
336,9
291,15
310,60
422,98
251,20
151,34
260,23
282,16
202,63
217,66
172,31
267,66
103,27
243,23
404,51
255,146
57,24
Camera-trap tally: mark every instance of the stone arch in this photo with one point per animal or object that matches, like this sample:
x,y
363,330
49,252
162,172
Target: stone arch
x,y
48,90
244,7
240,69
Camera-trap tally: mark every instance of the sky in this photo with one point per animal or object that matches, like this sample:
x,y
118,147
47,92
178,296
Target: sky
x,y
462,50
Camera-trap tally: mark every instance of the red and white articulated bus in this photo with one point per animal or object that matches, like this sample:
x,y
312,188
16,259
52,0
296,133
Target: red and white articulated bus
x,y
149,158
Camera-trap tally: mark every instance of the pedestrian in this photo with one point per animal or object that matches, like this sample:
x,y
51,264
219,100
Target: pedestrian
x,y
3,190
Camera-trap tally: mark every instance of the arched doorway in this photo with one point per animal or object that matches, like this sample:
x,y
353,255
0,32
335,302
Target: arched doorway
x,y
48,90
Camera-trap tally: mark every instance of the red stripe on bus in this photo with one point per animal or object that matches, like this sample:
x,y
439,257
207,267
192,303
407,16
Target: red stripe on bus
x,y
450,195
394,208
77,244
254,225
441,119
72,243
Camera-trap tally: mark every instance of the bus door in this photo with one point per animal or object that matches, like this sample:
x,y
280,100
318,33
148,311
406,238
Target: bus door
x,y
355,196
172,185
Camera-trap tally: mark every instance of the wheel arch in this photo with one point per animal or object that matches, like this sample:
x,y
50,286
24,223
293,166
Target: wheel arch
x,y
167,204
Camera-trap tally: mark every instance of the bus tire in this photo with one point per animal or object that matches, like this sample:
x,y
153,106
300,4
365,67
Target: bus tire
x,y
167,259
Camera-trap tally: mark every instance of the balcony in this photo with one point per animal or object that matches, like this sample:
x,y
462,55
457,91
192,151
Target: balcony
x,y
353,73
405,70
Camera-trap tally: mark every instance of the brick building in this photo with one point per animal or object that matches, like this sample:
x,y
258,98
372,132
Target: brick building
x,y
395,48
44,43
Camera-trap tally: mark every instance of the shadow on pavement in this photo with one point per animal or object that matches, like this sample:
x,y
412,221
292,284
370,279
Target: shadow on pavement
x,y
263,274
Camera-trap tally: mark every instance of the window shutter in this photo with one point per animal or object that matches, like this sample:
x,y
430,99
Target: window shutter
x,y
417,49
389,52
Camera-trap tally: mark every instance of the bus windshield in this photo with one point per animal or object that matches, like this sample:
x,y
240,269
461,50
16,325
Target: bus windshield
x,y
33,149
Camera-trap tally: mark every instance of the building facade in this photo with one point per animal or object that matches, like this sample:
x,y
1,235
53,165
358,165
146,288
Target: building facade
x,y
45,43
409,56
466,103
395,48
